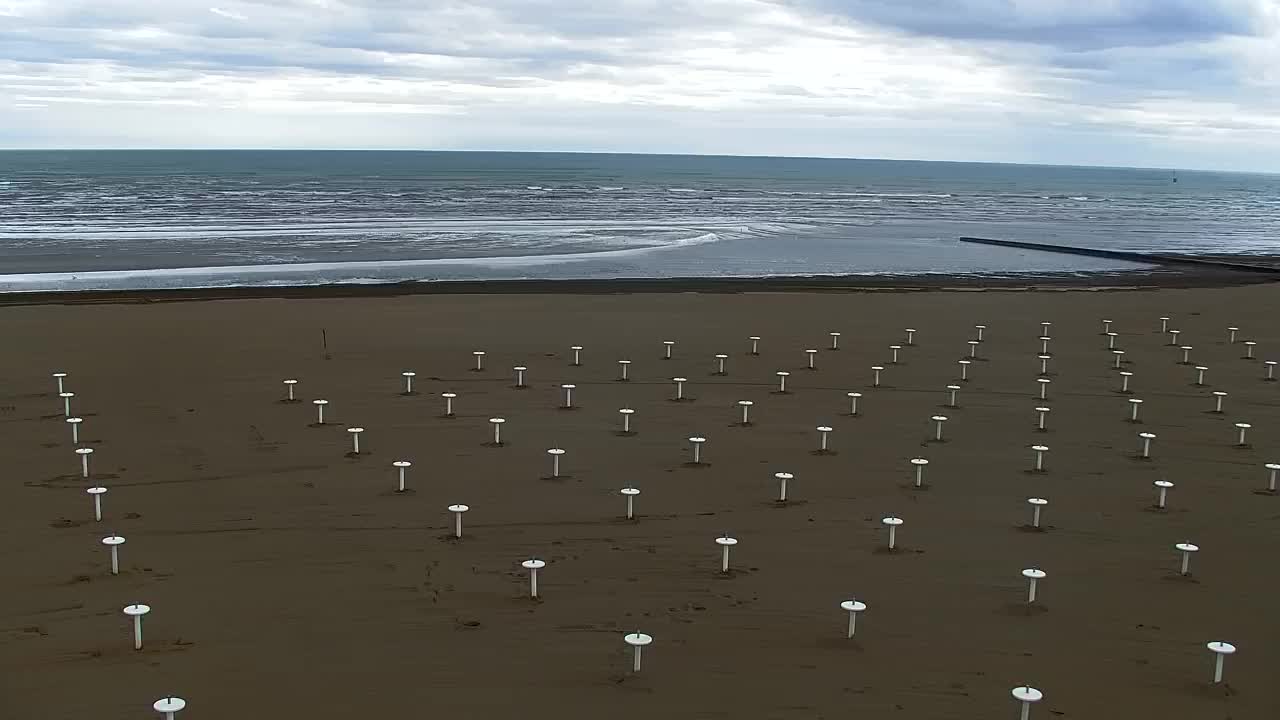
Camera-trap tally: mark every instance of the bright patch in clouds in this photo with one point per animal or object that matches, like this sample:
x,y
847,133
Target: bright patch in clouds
x,y
228,14
1127,82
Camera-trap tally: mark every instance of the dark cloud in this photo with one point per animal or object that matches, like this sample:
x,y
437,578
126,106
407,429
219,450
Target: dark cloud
x,y
1067,24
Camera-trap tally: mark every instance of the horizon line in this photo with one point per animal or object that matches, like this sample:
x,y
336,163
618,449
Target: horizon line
x,y
832,158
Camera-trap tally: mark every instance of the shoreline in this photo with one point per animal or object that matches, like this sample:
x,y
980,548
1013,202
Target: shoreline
x,y
1161,277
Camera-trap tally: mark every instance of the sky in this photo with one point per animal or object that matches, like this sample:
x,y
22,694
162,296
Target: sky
x,y
1152,83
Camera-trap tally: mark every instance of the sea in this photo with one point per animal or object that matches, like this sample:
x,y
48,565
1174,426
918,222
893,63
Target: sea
x,y
94,220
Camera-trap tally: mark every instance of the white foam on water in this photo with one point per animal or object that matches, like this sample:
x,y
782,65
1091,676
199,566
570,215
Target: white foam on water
x,y
216,276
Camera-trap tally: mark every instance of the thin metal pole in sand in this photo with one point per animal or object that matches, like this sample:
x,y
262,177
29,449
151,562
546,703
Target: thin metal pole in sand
x,y
630,494
782,381
893,524
1124,382
1173,337
169,706
1134,404
1232,331
835,340
1164,324
622,370
577,356
894,349
1273,469
1187,549
1044,363
876,370
1028,696
1042,411
1146,437
973,349
556,454
448,403
938,420
919,464
355,439
667,345
59,376
319,410
1220,650
84,454
520,371
289,385
479,356
96,493
1044,387
823,432
853,403
533,566
626,414
755,345
408,376
1271,371
1040,451
1242,427
401,467
964,370
1119,356
457,511
911,336
497,430
66,402
783,478
1200,370
637,641
1248,349
114,541
74,422
1186,354
1106,326
1033,576
725,542
720,358
812,355
981,329
1162,493
1218,397
136,611
679,381
1037,504
568,396
1111,340
1044,345
697,442
746,410
1044,327
951,392
853,607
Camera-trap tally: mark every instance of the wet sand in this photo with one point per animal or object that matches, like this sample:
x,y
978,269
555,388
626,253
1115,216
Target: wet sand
x,y
288,580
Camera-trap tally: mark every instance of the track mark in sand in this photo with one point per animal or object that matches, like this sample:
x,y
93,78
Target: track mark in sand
x,y
585,628
216,531
217,478
66,481
63,523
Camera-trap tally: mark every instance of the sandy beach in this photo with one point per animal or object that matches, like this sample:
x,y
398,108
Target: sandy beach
x,y
288,580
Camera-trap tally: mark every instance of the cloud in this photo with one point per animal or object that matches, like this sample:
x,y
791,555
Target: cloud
x,y
1112,81
1073,24
229,14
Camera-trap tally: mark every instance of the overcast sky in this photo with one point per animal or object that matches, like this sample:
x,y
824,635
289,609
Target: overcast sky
x,y
1165,83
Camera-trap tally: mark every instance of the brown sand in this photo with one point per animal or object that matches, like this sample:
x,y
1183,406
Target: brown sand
x,y
288,581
